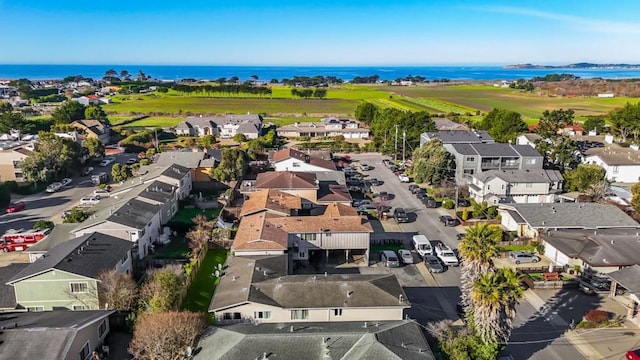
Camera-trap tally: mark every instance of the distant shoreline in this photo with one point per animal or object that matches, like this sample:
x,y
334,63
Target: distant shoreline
x,y
590,66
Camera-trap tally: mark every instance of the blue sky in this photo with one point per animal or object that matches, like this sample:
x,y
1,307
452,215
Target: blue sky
x,y
328,32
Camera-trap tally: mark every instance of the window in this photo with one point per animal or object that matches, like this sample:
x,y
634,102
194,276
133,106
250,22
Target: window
x,y
530,161
468,171
614,169
79,287
226,316
16,163
237,316
102,329
142,233
84,352
299,314
35,308
18,175
337,312
262,315
470,159
79,307
308,237
301,254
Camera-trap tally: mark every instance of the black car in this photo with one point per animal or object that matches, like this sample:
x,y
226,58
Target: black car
x,y
421,195
433,264
463,203
460,236
430,202
413,188
375,182
400,215
448,220
385,196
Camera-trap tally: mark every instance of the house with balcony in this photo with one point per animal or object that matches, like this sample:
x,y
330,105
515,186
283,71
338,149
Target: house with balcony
x,y
516,186
472,159
225,126
531,220
457,137
258,289
620,164
66,278
93,129
63,335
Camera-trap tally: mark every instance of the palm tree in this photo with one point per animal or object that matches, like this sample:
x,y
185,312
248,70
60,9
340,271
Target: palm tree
x,y
494,296
477,247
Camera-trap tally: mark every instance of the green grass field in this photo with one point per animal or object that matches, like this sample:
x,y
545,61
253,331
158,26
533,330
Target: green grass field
x,y
201,290
152,121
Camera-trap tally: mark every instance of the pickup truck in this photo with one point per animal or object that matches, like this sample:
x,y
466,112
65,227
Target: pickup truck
x,y
446,255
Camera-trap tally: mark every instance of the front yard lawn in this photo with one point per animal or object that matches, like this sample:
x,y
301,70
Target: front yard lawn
x,y
528,248
178,248
204,283
185,215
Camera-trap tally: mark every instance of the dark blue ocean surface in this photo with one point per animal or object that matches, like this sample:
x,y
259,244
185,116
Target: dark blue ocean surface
x,y
177,72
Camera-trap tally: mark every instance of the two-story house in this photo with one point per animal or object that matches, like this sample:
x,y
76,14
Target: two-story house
x,y
225,126
95,129
60,335
258,289
471,159
349,129
620,164
516,186
12,153
297,161
174,175
200,161
66,278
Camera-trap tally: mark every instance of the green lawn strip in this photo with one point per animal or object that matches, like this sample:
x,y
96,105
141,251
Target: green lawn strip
x,y
178,248
508,248
201,290
378,248
156,121
442,106
185,215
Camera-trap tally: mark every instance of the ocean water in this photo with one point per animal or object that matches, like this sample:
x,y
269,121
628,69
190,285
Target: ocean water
x,y
177,72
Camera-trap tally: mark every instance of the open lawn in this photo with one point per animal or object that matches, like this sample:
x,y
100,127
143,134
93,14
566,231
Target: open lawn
x,y
211,105
178,248
185,215
204,283
485,98
159,121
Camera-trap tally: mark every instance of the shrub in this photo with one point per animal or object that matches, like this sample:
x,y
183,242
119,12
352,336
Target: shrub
x,y
540,248
43,224
11,185
448,204
492,212
145,162
597,316
465,214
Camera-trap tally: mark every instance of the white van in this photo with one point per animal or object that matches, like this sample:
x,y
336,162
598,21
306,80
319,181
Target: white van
x,y
422,245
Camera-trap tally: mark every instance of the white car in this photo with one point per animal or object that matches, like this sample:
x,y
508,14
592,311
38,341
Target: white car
x,y
107,161
100,193
406,256
446,255
66,181
403,178
89,200
364,202
54,187
365,167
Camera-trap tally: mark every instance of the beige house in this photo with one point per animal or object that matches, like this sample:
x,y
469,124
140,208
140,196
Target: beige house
x,y
516,186
93,129
12,153
257,289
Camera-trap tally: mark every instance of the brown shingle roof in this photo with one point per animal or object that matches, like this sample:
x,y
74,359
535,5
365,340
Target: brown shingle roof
x,y
286,180
271,199
327,223
299,155
333,192
337,210
256,233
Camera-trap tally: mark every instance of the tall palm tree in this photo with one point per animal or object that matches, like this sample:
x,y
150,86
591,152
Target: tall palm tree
x,y
477,247
494,296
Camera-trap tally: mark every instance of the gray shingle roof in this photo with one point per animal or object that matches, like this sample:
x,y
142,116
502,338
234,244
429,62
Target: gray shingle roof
x,y
628,277
134,213
187,159
521,176
157,191
43,335
497,149
344,340
459,136
87,255
175,171
573,215
59,234
7,293
608,247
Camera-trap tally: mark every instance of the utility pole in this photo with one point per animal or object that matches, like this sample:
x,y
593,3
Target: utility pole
x,y
395,152
404,143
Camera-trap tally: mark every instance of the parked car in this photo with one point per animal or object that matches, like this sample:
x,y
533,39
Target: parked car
x,y
108,161
421,195
430,202
375,182
66,181
448,220
404,178
363,202
433,264
413,188
366,209
86,171
446,255
385,196
15,207
101,193
400,215
406,256
389,258
89,200
523,257
460,236
386,162
463,203
53,187
633,354
365,167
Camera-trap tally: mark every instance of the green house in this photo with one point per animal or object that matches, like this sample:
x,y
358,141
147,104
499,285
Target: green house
x,y
66,277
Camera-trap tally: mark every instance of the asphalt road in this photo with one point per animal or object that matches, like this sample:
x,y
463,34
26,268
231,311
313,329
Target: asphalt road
x,y
49,206
538,333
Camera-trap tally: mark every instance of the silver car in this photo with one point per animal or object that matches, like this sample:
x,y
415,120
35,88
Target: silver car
x,y
406,256
389,258
523,257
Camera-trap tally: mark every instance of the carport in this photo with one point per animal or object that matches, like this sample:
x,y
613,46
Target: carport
x,y
629,278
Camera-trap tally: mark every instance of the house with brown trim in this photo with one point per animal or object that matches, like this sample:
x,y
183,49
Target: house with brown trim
x,y
93,129
319,188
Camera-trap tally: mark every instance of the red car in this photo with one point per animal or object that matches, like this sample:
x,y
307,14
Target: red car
x,y
633,354
15,207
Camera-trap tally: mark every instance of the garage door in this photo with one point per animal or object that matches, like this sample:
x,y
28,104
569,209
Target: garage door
x,y
554,255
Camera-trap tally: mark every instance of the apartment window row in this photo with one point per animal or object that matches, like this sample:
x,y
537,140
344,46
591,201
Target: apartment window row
x,y
232,316
262,314
80,307
79,287
308,237
85,352
35,308
299,314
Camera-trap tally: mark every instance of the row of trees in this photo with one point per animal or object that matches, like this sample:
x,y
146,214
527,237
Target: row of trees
x,y
111,75
308,93
310,81
489,296
383,124
223,89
